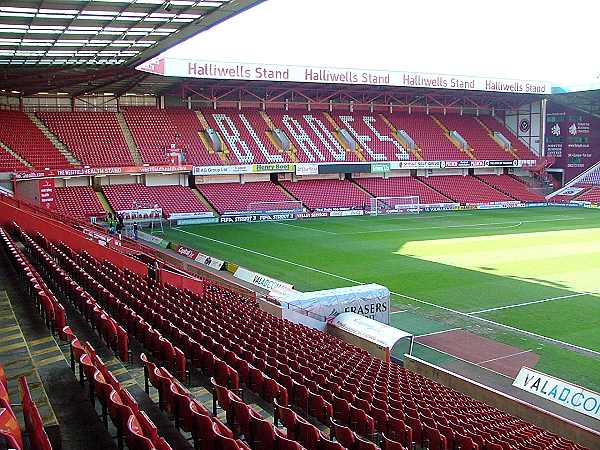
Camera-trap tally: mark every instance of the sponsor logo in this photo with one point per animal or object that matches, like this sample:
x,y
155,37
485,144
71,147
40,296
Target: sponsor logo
x,y
555,130
573,129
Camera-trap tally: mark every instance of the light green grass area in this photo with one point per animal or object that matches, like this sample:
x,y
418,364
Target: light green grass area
x,y
444,264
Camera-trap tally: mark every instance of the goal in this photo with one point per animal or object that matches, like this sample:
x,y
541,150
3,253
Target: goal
x,y
293,206
395,205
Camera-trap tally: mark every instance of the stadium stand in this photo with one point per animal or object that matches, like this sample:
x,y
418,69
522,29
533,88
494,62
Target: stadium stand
x,y
94,138
512,187
465,189
325,194
80,202
590,195
401,187
230,197
373,135
313,136
172,199
9,163
244,133
427,135
154,130
519,148
483,146
25,138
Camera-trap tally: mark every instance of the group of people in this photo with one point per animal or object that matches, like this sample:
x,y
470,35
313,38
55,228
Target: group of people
x,y
116,225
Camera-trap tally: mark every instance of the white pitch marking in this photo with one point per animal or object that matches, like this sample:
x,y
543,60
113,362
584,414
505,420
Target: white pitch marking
x,y
535,302
438,332
504,357
408,297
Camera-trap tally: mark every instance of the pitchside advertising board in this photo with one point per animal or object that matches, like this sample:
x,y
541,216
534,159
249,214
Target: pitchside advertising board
x,y
192,68
558,391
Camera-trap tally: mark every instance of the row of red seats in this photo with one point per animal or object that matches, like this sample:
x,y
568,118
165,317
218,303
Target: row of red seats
x,y
465,189
131,422
402,187
328,194
79,202
10,433
236,197
513,187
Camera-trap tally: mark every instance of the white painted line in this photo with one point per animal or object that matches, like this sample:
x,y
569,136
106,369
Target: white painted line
x,y
438,332
398,312
473,225
535,302
318,230
504,357
397,294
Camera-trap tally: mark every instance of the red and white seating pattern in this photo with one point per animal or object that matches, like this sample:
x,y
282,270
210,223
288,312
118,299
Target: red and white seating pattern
x,y
235,197
518,147
513,187
373,135
172,199
19,133
244,133
155,130
95,138
402,187
428,136
312,135
327,194
465,189
484,147
79,202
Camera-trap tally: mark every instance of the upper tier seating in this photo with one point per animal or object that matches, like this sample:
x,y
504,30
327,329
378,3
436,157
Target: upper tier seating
x,y
155,130
434,144
79,202
244,134
591,178
401,187
95,138
513,187
518,147
373,135
484,147
231,197
324,194
8,163
25,138
172,199
466,189
312,135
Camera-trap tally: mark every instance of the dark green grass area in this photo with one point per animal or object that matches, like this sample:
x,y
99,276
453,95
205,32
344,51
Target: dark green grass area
x,y
440,265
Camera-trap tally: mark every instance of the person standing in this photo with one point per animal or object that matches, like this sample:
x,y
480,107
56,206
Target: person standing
x,y
135,230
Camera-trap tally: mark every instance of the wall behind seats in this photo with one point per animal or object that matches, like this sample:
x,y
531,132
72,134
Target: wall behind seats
x,y
218,179
166,180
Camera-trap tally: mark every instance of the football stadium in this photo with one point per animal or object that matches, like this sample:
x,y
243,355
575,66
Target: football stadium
x,y
285,225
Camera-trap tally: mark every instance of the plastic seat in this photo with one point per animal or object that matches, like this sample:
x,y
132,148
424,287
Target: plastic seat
x,y
390,444
343,435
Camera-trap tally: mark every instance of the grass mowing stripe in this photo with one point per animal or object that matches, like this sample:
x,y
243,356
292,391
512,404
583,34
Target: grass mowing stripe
x,y
408,297
304,228
535,302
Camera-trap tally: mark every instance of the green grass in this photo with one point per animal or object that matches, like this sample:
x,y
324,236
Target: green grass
x,y
464,261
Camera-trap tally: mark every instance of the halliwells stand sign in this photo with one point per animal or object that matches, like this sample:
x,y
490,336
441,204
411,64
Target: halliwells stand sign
x,y
308,74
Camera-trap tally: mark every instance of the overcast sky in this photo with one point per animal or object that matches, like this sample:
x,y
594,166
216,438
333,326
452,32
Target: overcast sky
x,y
547,40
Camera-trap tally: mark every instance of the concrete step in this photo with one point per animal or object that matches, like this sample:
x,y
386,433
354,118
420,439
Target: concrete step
x,y
133,149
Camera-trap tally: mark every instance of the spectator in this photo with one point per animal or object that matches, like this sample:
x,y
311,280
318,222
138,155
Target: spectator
x,y
135,230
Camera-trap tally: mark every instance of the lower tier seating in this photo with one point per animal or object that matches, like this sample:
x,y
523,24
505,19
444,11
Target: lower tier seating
x,y
401,187
79,202
466,189
172,199
324,194
590,195
513,187
230,197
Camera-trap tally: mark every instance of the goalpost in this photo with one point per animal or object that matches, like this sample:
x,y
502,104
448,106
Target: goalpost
x,y
395,205
293,206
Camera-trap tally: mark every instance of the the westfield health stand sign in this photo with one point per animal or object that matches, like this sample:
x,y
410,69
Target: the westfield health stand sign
x,y
193,68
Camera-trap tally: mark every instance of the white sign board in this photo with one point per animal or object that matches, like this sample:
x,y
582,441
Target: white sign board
x,y
369,300
196,68
369,329
260,280
558,391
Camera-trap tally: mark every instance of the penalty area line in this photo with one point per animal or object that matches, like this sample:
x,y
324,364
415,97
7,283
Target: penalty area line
x,y
534,302
397,294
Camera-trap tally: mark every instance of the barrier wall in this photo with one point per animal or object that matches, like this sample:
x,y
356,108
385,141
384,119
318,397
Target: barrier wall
x,y
532,414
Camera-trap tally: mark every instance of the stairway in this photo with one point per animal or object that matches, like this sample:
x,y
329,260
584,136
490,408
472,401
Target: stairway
x,y
58,144
510,151
16,155
416,152
104,202
133,149
358,152
223,155
468,151
205,202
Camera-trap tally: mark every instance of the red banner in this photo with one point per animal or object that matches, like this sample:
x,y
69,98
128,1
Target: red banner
x,y
90,171
47,194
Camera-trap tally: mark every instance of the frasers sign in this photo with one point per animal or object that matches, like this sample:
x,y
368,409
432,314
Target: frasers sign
x,y
310,74
559,391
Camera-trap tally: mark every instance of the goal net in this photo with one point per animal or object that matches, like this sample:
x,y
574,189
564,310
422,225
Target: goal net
x,y
395,205
294,206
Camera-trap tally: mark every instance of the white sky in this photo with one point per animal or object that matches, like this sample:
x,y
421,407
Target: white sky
x,y
547,40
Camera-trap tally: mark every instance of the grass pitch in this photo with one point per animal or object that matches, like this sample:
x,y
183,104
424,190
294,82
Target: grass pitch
x,y
535,269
